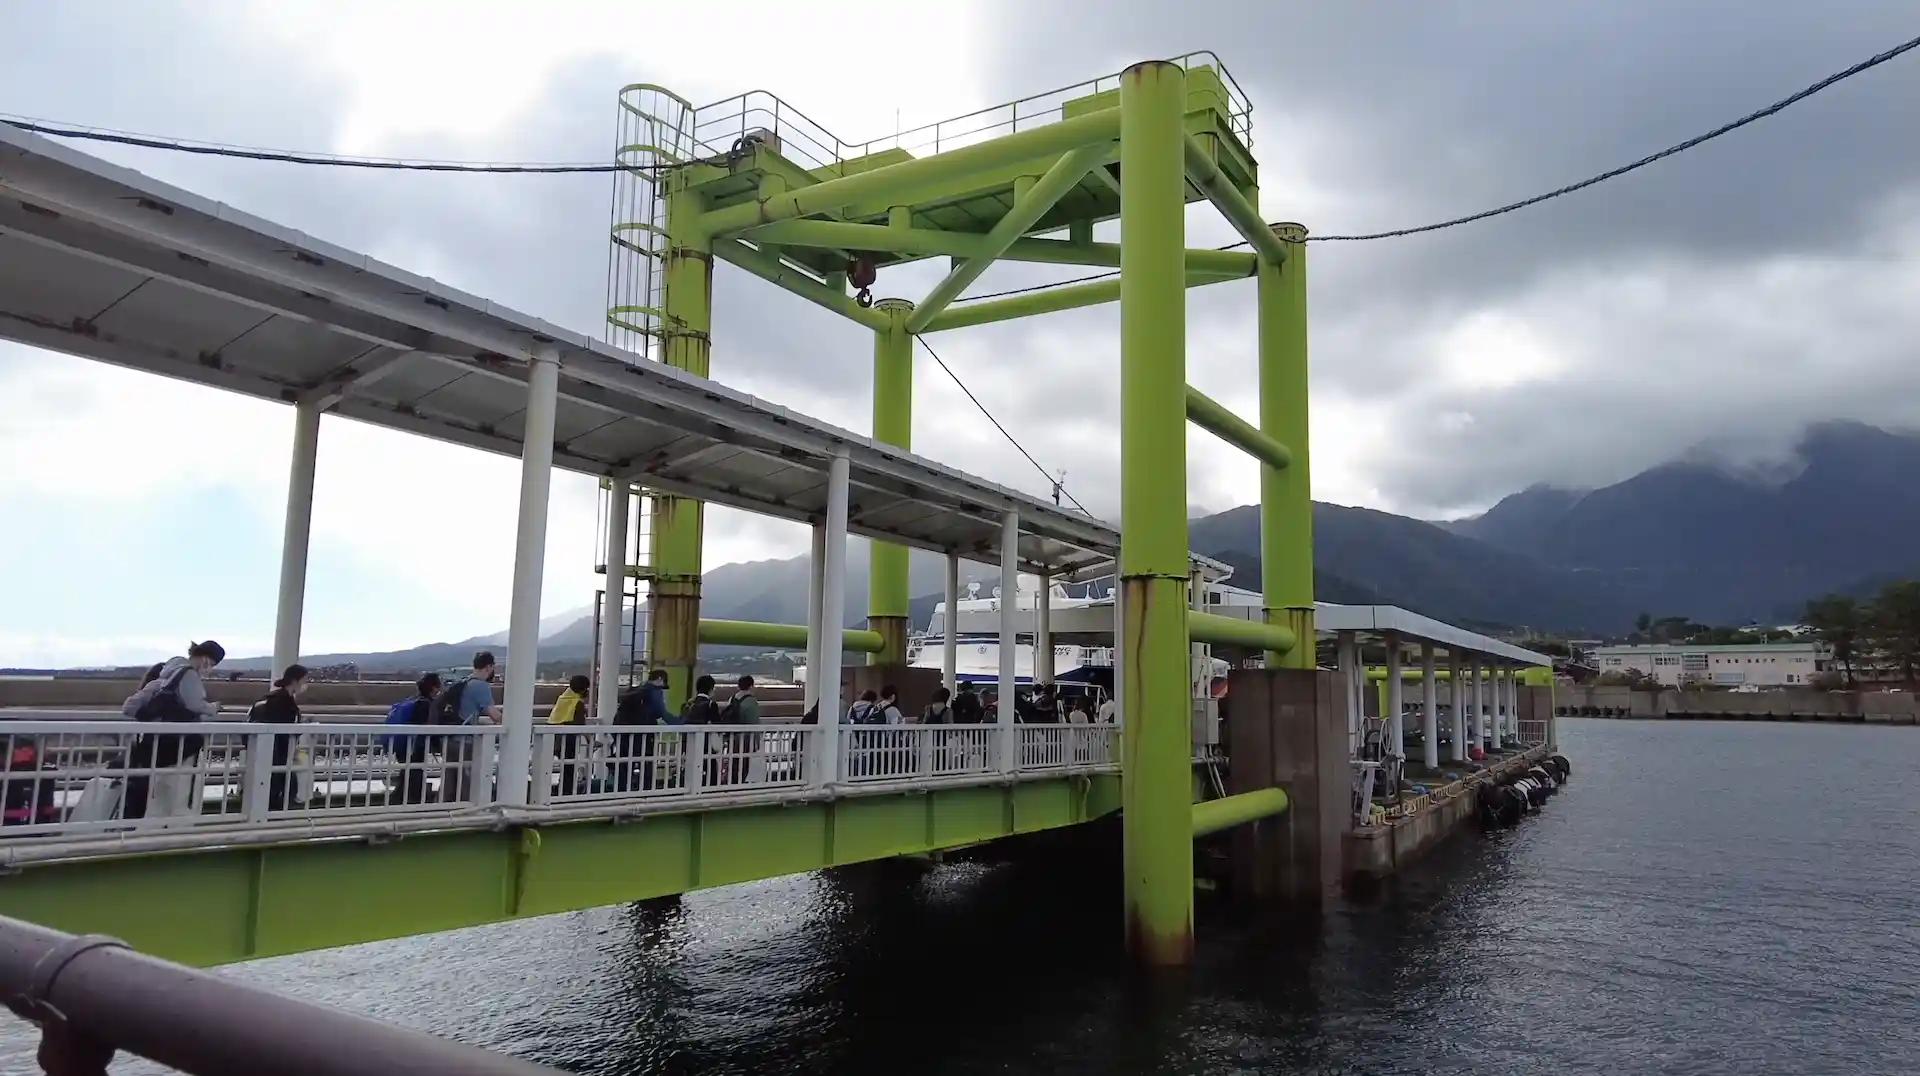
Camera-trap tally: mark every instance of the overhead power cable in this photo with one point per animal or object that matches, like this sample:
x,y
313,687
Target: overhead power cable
x,y
1613,173
1048,475
323,160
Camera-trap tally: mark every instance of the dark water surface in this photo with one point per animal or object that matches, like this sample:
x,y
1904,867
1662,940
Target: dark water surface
x,y
1703,898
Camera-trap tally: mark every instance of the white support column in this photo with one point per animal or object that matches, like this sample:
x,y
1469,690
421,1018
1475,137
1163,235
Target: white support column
x,y
816,635
1347,654
833,603
950,642
529,561
1476,728
1009,601
1498,717
1396,700
1043,632
1430,710
613,604
1513,704
293,543
1457,698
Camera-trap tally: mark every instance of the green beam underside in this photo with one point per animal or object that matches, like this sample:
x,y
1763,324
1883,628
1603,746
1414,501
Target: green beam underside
x,y
1044,301
1242,214
884,183
753,633
1231,631
1027,210
234,903
772,270
1212,816
932,242
1213,417
1157,776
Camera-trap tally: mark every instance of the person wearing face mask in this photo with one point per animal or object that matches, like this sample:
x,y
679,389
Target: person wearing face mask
x,y
281,706
177,695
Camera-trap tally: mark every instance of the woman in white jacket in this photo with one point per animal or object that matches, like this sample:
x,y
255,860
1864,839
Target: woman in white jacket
x,y
177,695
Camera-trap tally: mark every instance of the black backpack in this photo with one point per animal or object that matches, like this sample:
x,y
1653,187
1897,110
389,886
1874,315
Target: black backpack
x,y
446,705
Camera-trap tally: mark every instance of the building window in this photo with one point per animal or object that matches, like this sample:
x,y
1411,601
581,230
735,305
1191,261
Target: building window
x,y
1666,659
1693,662
1613,661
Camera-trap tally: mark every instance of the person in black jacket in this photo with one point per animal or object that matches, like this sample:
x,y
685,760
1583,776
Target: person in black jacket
x,y
632,761
281,707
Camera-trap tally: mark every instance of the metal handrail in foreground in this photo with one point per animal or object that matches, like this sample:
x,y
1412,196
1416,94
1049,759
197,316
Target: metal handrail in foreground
x,y
92,996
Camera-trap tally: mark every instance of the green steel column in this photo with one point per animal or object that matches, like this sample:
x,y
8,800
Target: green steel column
x,y
1286,495
1156,782
673,638
887,584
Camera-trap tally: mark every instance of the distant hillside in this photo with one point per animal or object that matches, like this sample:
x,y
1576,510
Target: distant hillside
x,y
1692,537
1721,544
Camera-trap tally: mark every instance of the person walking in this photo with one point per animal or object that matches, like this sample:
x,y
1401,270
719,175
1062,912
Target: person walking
x,y
177,695
281,706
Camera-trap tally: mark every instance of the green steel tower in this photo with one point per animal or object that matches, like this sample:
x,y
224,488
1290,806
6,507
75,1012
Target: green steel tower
x,y
753,182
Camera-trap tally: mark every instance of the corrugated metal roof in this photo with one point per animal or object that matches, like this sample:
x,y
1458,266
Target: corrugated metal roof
x,y
101,261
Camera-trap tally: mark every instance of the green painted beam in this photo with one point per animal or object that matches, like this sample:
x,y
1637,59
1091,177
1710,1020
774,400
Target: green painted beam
x,y
1242,214
771,270
1212,816
882,184
1212,416
219,905
754,633
889,582
1232,631
1044,301
1027,209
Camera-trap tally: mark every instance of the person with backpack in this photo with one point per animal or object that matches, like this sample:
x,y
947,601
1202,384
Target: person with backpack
x,y
469,702
634,752
568,711
281,706
178,694
743,748
409,751
862,744
700,709
966,706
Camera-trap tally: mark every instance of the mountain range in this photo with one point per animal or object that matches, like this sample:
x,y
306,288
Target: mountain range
x,y
1715,541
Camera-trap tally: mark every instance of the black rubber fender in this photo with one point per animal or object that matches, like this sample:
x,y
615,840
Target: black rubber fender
x,y
1491,799
1560,763
1512,807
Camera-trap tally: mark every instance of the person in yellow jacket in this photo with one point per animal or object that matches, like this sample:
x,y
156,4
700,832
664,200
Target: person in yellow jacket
x,y
570,709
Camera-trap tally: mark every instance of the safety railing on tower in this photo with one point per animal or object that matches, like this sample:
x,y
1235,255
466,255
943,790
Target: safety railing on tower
x,y
93,997
720,126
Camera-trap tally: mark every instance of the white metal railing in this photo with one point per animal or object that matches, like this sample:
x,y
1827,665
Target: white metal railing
x,y
598,762
80,780
1533,733
1050,747
86,777
907,752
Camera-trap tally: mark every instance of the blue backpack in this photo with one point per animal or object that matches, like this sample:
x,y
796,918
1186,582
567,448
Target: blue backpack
x,y
401,713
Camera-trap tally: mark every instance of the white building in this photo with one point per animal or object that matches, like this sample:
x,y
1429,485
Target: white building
x,y
1789,664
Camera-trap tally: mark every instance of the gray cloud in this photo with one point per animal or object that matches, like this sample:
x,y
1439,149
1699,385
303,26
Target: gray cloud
x,y
1668,300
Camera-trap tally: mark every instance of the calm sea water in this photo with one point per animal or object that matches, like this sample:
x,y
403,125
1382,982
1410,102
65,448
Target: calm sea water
x,y
1702,899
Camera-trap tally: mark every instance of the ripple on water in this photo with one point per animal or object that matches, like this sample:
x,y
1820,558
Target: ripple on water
x,y
1704,899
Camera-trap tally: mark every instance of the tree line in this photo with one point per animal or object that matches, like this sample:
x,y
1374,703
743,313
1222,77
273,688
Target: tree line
x,y
1883,632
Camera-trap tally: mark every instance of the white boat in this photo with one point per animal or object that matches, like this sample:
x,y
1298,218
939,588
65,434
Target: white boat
x,y
977,641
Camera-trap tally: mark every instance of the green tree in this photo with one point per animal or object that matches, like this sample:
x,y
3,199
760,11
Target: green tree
x,y
1893,629
1837,620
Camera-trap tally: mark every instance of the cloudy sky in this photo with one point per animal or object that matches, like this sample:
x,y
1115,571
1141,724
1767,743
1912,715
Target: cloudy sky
x,y
1734,293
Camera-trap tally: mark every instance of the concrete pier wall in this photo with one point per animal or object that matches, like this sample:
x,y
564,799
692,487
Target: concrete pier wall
x,y
1787,704
1378,851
